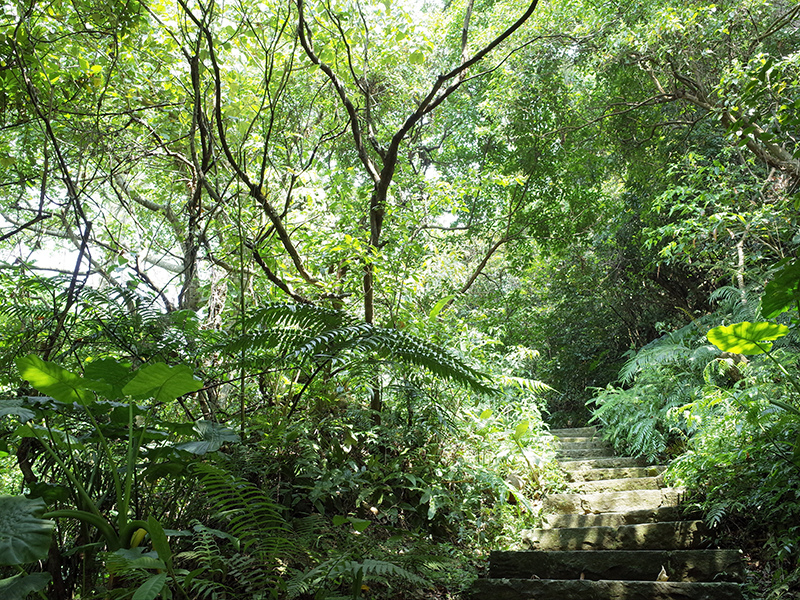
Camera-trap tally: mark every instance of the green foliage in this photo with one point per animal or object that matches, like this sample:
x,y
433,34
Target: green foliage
x,y
83,417
21,586
782,293
24,536
247,512
732,422
636,421
746,338
298,333
353,575
172,175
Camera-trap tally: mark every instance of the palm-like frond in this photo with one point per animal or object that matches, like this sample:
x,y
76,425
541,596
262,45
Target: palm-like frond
x,y
739,305
293,334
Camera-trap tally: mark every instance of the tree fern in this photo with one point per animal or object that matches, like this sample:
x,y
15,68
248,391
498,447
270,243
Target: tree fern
x,y
283,334
740,306
651,355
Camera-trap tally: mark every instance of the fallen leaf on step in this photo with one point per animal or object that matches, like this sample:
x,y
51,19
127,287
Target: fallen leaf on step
x,y
663,575
583,575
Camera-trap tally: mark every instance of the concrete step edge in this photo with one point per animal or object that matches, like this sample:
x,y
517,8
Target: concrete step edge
x,y
579,464
574,432
617,485
610,473
613,501
590,445
558,589
662,535
640,565
618,519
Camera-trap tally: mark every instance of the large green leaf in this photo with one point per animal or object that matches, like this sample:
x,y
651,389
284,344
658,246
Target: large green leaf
x,y
151,588
159,541
24,537
212,435
746,337
21,586
782,293
14,407
439,306
107,377
53,380
162,382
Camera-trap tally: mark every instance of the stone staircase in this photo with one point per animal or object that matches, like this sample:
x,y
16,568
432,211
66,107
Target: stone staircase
x,y
616,535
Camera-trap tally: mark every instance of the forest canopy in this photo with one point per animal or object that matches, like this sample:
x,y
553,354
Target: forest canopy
x,y
324,259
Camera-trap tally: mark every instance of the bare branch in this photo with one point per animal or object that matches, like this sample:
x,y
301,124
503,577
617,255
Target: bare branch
x,y
277,281
304,33
40,217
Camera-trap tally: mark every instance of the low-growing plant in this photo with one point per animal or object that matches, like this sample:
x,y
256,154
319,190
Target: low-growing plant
x,y
94,449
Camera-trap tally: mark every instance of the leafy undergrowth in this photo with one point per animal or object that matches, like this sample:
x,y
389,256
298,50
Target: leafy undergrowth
x,y
731,427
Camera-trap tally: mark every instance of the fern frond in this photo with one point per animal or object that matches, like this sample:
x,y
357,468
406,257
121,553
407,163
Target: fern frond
x,y
299,316
250,514
383,569
523,383
715,513
433,358
660,354
292,334
333,571
727,294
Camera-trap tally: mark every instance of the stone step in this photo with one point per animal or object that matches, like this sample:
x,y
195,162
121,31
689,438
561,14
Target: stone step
x,y
574,432
548,589
604,502
644,565
577,440
584,445
617,485
612,519
611,537
614,462
584,453
668,535
598,474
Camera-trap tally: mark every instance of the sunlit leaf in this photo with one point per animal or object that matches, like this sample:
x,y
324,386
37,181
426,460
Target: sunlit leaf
x,y
162,382
53,380
746,337
521,429
437,308
416,58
